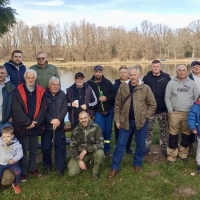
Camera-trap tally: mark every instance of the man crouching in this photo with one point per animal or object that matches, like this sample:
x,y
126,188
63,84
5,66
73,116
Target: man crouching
x,y
86,145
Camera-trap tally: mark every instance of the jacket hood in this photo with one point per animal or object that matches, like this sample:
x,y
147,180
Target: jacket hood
x,y
13,142
102,78
187,79
7,78
140,82
11,63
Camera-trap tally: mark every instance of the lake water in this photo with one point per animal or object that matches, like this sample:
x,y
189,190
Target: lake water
x,y
110,72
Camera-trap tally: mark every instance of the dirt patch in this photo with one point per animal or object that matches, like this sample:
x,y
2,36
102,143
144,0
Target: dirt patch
x,y
155,155
154,173
185,191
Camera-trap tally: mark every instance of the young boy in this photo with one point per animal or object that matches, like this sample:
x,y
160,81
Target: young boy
x,y
10,153
193,121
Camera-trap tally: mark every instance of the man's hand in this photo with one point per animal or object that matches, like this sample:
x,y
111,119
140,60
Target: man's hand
x,y
102,98
11,161
74,104
118,125
55,123
32,125
195,132
82,154
82,165
84,107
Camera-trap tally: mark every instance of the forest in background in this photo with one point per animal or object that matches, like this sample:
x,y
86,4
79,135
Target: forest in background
x,y
88,42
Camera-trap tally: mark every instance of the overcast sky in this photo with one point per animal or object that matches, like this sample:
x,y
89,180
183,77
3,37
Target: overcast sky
x,y
126,13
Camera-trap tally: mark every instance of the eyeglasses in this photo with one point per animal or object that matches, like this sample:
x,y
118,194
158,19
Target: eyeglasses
x,y
42,58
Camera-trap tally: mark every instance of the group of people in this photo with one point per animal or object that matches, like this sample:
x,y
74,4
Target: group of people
x,y
32,104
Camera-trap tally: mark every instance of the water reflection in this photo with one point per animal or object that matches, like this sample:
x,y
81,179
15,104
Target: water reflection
x,y
110,72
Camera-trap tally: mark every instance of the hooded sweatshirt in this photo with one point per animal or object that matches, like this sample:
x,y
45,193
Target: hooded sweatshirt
x,y
180,95
158,85
11,151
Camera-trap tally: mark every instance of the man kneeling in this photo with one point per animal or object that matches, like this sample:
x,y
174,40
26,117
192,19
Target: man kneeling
x,y
86,145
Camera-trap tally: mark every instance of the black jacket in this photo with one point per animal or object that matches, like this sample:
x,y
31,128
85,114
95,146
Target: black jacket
x,y
56,108
158,85
20,117
87,97
117,84
108,90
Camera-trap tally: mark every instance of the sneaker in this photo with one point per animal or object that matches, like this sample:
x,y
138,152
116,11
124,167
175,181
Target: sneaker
x,y
16,188
129,151
23,177
147,150
94,176
60,173
35,173
46,169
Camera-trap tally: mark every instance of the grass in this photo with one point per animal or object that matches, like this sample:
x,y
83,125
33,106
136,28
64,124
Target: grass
x,y
157,181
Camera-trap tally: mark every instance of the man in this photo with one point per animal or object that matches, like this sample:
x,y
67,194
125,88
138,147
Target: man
x,y
195,76
6,92
56,102
28,114
157,80
15,68
80,96
134,104
44,70
181,93
86,145
103,113
123,77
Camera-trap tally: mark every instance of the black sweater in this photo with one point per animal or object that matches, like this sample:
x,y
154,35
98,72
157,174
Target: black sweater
x,y
158,85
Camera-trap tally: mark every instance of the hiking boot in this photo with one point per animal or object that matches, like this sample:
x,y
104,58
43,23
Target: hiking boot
x,y
94,176
138,169
129,151
147,150
46,169
35,173
16,188
23,177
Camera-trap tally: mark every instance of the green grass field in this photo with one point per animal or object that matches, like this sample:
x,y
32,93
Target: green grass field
x,y
157,181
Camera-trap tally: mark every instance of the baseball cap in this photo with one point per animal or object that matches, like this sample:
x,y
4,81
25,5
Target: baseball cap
x,y
195,63
98,67
79,74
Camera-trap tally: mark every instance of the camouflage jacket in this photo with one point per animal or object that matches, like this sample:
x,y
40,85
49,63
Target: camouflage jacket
x,y
89,138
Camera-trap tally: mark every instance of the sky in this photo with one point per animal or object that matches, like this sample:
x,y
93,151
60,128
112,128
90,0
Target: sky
x,y
125,13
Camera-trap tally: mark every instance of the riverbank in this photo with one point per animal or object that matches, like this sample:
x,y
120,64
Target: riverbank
x,y
113,63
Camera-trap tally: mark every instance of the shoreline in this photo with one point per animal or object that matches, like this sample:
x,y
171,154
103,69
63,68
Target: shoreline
x,y
85,64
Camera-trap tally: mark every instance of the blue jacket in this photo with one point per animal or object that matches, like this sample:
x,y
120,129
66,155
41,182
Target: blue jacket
x,y
7,93
16,76
193,119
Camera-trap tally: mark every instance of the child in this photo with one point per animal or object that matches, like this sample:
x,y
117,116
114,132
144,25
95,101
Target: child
x,y
10,153
193,121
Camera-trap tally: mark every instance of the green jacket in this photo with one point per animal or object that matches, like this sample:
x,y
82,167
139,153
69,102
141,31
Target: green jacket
x,y
89,138
144,105
44,74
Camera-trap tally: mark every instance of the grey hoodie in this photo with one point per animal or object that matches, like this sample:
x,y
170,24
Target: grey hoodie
x,y
7,78
12,151
180,95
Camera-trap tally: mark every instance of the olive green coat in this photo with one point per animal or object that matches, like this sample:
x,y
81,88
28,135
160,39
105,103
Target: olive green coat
x,y
144,105
44,74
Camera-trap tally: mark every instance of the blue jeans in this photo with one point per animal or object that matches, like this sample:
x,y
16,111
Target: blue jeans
x,y
140,136
105,122
3,125
60,148
15,169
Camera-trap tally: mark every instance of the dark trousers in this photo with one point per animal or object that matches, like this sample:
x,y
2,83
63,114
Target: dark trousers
x,y
59,145
15,169
128,144
28,162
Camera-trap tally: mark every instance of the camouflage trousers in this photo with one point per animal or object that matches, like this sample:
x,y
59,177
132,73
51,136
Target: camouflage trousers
x,y
164,131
